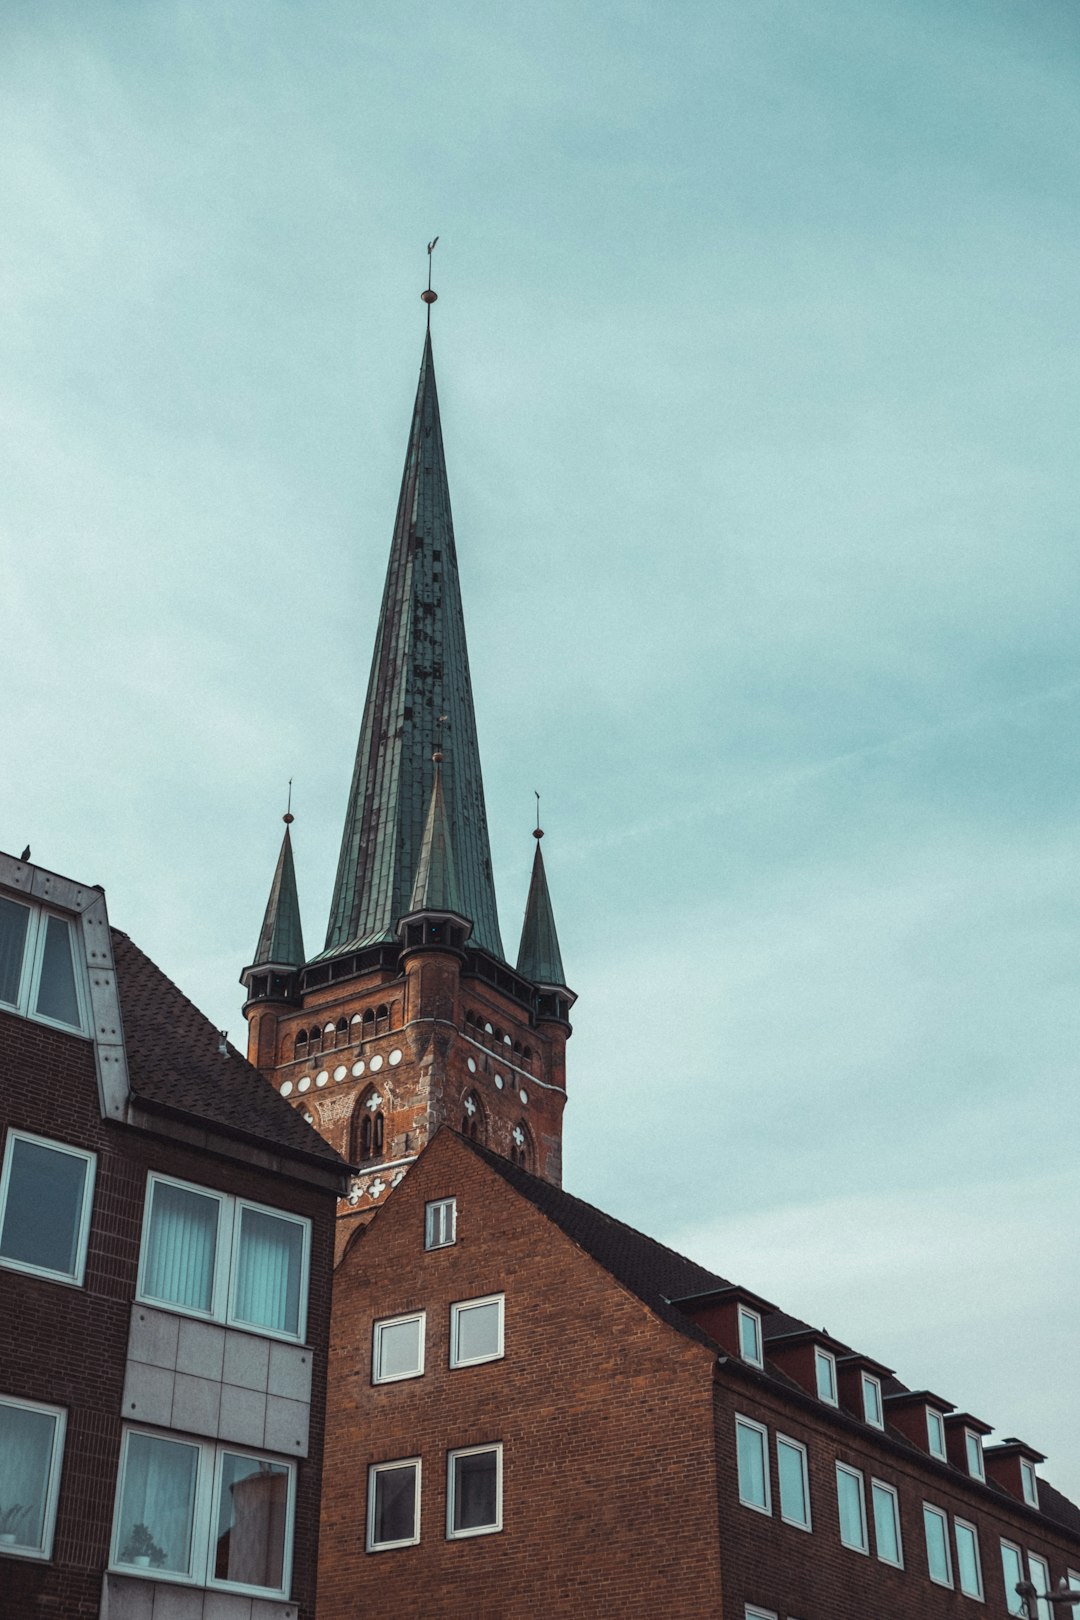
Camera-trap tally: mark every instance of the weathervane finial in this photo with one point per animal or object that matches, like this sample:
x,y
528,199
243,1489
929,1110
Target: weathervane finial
x,y
288,818
538,831
429,297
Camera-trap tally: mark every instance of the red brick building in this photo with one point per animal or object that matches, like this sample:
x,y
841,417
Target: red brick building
x,y
166,1237
535,1409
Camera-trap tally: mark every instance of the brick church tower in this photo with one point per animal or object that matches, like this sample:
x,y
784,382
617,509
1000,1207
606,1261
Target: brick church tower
x,y
411,1017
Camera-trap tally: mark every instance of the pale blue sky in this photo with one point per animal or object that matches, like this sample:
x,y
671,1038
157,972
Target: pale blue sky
x,y
757,353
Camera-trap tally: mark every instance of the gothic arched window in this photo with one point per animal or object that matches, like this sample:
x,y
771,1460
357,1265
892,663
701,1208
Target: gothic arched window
x,y
341,1034
366,1137
521,1146
382,1018
473,1123
300,1044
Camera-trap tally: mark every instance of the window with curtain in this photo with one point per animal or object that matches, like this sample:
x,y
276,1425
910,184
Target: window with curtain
x,y
938,1559
794,1483
155,1524
222,1257
852,1508
474,1491
751,1443
887,1524
38,973
31,1445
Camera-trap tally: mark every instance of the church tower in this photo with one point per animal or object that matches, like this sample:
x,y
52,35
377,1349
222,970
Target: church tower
x,y
411,1017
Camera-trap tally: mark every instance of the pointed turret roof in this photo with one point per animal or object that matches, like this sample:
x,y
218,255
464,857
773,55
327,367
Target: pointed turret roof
x,y
281,940
539,957
436,884
419,681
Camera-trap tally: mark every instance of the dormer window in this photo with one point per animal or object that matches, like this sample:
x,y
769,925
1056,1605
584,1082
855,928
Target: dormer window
x,y
974,1454
871,1400
1028,1483
935,1433
40,975
750,1336
825,1375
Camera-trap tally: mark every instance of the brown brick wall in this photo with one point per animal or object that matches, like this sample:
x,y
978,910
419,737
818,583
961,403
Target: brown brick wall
x,y
815,1577
67,1346
604,1414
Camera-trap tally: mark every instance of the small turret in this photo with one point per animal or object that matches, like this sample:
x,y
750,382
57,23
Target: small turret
x,y
279,953
539,958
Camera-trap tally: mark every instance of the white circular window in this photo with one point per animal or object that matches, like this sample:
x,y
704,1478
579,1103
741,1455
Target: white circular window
x,y
305,1083
340,1072
498,1082
286,1088
376,1063
321,1078
472,1065
524,1095
395,1057
358,1068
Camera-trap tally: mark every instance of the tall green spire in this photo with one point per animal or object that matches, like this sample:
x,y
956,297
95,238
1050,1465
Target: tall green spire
x,y
281,941
539,958
419,683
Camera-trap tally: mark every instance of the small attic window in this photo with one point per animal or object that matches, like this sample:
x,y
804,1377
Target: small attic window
x,y
750,1336
973,1452
935,1433
871,1401
1029,1484
825,1375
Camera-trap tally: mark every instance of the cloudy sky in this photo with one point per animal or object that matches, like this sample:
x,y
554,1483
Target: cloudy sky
x,y
757,355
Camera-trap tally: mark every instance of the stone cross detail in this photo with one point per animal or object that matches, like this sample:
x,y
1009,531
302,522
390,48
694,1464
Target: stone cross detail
x,y
519,1136
470,1106
374,1101
377,1188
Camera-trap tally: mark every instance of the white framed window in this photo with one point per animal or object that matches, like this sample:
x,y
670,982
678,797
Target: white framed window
x,y
41,972
794,1480
1073,1578
851,1506
750,1336
1029,1483
46,1191
825,1375
888,1542
938,1557
754,1613
31,1449
935,1434
393,1517
752,1454
208,1254
1039,1576
974,1454
1012,1573
873,1411
398,1348
474,1491
476,1331
968,1563
440,1223
211,1515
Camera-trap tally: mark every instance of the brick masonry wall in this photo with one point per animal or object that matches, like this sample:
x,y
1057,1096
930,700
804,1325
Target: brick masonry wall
x,y
67,1346
604,1414
814,1576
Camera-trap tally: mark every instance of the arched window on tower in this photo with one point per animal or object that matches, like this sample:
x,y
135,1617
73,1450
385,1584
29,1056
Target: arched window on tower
x,y
369,1022
521,1149
366,1136
382,1018
473,1122
341,1034
300,1044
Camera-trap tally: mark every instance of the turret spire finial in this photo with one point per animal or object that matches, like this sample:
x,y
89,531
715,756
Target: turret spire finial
x,y
288,818
538,831
429,297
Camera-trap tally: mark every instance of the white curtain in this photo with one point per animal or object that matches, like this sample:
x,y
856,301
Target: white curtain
x,y
159,1501
26,1443
266,1289
181,1247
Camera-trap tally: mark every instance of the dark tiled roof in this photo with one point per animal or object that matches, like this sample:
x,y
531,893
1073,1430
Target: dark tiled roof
x,y
174,1061
654,1273
1058,1507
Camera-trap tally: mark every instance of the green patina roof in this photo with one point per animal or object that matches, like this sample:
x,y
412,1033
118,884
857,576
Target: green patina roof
x,y
539,957
281,941
436,885
419,672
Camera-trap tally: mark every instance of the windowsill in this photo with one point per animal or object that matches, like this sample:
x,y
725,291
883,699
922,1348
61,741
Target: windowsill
x,y
797,1524
44,1276
186,1583
864,1552
46,1023
755,1507
12,1550
172,1309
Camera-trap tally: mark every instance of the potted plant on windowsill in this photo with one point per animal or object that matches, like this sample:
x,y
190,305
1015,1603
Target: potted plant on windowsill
x,y
10,1520
141,1549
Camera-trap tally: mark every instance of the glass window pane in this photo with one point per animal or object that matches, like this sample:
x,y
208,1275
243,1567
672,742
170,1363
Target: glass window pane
x,y
44,1205
872,1401
973,1446
793,1495
14,921
181,1247
937,1547
475,1491
26,1448
158,1503
1012,1570
398,1352
1039,1575
439,1224
936,1433
56,996
478,1331
849,1496
968,1568
268,1272
753,1484
394,1517
252,1520
886,1525
826,1377
749,1337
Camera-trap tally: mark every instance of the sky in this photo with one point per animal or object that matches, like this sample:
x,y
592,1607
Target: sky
x,y
757,359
